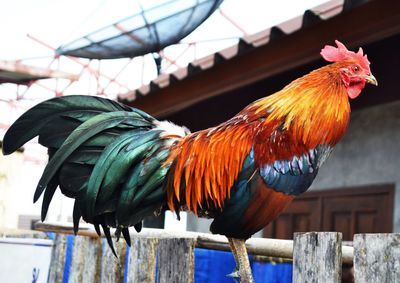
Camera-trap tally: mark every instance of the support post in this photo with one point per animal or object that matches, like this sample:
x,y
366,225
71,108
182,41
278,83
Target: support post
x,y
58,259
377,258
86,255
176,260
112,268
317,257
142,260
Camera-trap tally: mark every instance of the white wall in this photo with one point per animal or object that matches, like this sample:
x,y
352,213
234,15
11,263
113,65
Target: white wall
x,y
18,180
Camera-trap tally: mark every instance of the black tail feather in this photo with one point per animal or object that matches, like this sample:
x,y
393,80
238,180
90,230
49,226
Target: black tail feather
x,y
48,195
127,236
108,237
76,216
138,226
97,228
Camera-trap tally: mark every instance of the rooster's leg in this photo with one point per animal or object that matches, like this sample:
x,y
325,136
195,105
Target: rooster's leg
x,y
242,260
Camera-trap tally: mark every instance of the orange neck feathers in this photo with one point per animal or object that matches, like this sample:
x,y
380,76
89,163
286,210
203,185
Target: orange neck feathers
x,y
315,108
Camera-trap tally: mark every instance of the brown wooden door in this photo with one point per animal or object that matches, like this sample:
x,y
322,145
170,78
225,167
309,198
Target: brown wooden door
x,y
300,216
350,211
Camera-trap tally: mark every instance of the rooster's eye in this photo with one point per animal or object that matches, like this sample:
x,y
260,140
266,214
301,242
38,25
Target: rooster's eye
x,y
356,69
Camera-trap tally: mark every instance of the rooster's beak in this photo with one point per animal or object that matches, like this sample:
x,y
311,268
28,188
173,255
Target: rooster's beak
x,y
371,80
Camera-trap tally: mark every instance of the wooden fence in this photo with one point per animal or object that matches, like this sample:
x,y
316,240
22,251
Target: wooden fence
x,y
317,256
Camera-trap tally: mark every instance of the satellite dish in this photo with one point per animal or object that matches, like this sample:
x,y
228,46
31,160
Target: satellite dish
x,y
145,32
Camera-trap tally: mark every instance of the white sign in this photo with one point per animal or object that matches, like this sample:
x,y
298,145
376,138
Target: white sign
x,y
25,260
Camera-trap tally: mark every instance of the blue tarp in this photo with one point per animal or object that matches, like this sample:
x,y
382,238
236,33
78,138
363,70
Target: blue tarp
x,y
212,266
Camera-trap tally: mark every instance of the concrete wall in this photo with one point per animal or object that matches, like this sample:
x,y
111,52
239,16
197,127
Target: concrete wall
x,y
368,154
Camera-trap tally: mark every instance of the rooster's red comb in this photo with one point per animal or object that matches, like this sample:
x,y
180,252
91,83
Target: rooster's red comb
x,y
340,53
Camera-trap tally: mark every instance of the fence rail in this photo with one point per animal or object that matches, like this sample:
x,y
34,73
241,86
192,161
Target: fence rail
x,y
317,256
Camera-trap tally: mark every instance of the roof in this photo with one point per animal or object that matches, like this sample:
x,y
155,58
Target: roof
x,y
272,51
18,73
145,32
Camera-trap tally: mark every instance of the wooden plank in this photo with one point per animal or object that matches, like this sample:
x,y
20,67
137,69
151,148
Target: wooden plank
x,y
176,260
112,268
317,257
56,271
142,260
86,254
15,71
288,52
377,258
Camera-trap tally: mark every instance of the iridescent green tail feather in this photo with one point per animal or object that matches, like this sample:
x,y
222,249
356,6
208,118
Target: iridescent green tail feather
x,y
107,156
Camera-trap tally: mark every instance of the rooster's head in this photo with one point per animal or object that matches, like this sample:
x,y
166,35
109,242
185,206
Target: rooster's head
x,y
353,68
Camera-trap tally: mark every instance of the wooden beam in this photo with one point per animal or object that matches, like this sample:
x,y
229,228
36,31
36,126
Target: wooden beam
x,y
14,71
365,24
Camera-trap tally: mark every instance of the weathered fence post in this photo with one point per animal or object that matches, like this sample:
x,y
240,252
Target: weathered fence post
x,y
56,271
142,260
86,255
377,258
176,260
112,268
317,257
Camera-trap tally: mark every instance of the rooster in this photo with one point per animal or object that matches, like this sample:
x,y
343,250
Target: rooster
x,y
121,164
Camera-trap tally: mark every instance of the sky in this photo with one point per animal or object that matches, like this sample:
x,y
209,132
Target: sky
x,y
58,22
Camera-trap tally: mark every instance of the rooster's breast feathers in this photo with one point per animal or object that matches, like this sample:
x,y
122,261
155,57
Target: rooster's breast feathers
x,y
207,166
